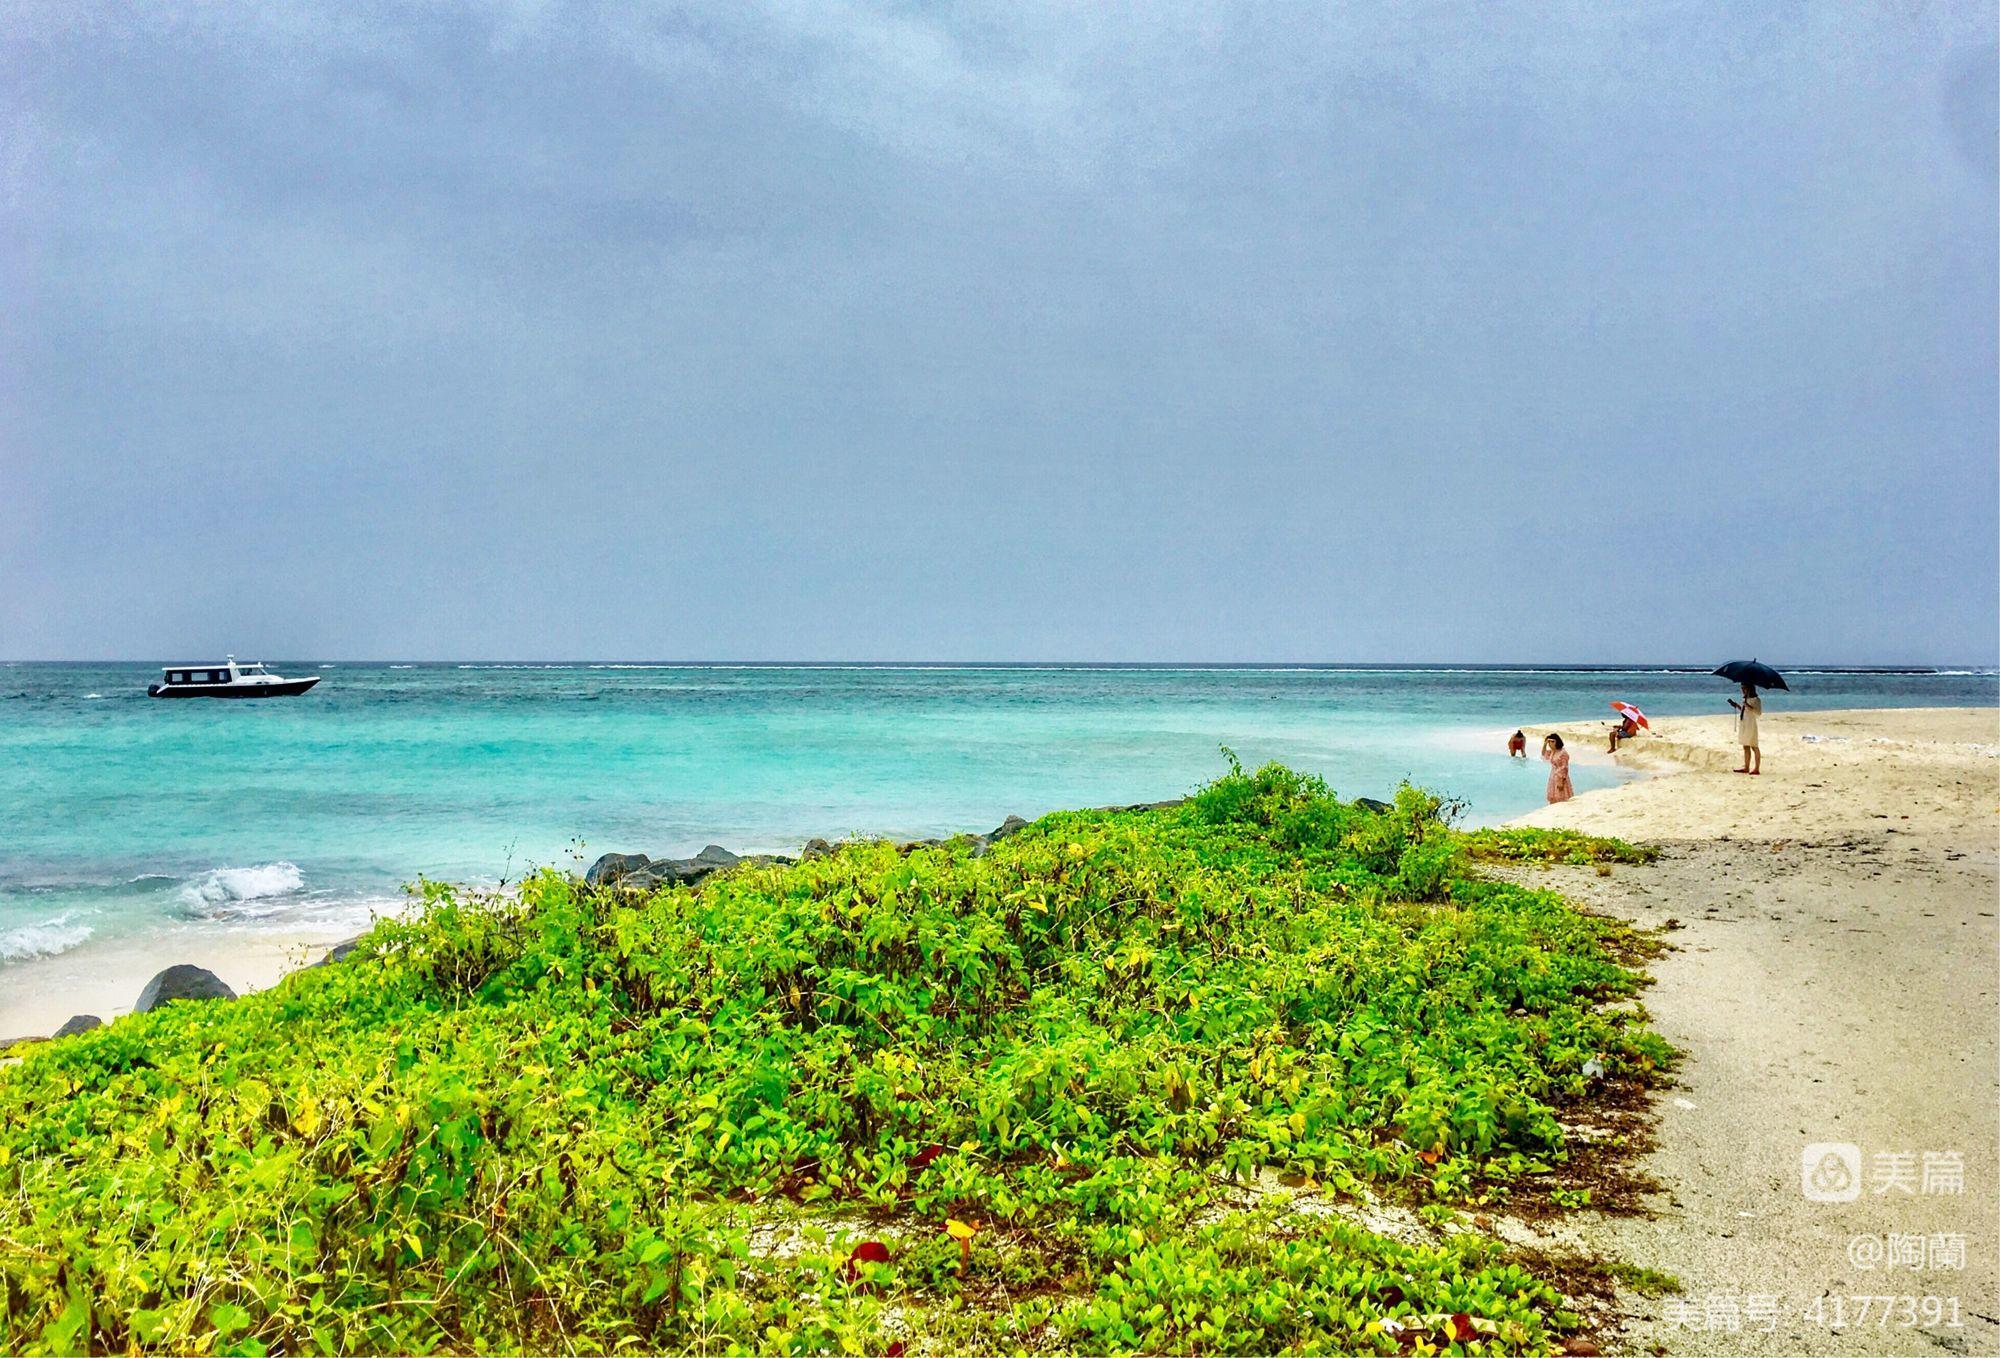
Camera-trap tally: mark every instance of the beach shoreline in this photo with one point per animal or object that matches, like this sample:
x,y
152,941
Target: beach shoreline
x,y
103,977
1831,979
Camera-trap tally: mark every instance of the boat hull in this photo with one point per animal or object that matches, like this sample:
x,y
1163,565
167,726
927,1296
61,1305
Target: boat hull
x,y
286,688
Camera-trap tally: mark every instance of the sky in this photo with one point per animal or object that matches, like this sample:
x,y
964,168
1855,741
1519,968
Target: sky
x,y
843,330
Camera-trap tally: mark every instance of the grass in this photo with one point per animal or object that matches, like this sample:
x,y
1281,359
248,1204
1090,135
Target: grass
x,y
1648,1282
941,1099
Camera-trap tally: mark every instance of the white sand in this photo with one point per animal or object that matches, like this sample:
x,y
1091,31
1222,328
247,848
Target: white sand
x,y
104,977
1834,981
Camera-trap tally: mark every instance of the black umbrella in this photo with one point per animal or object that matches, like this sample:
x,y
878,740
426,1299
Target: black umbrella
x,y
1754,672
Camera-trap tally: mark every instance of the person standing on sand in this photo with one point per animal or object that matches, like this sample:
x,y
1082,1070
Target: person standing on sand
x,y
1559,784
1747,712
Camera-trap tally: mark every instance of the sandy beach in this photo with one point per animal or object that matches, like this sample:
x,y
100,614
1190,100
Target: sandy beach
x,y
1832,980
105,977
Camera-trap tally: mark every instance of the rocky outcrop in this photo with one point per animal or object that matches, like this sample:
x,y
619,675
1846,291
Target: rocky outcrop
x,y
340,951
1370,804
612,867
637,872
183,982
81,1023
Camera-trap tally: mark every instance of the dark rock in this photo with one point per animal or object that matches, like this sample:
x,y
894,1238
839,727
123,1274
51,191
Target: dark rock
x,y
340,951
183,982
607,870
816,848
1370,804
82,1023
8,1044
637,872
1013,825
686,871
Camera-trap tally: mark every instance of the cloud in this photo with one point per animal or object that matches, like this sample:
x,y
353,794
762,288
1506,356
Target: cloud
x,y
1309,330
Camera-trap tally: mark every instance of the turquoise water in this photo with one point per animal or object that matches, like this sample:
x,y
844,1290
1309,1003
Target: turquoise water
x,y
125,814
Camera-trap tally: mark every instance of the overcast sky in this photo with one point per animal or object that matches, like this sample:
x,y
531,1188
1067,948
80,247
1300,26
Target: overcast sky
x,y
766,329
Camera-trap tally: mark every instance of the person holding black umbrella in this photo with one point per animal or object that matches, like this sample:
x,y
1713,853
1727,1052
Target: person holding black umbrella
x,y
1746,729
1750,674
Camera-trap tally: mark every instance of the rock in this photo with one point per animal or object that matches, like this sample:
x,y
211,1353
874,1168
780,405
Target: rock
x,y
685,871
980,844
183,982
1370,804
1013,825
340,951
816,848
8,1044
81,1023
637,872
607,870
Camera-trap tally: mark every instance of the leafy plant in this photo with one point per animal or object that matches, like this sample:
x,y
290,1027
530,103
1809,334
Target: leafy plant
x,y
1527,844
1015,1096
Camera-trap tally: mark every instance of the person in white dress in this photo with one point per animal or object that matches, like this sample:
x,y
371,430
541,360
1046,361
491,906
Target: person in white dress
x,y
1746,729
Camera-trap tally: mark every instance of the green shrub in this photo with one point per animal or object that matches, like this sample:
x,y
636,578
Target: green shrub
x,y
1531,845
563,1120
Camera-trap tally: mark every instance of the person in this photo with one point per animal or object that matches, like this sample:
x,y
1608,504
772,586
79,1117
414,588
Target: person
x,y
1559,784
1624,730
1747,713
1517,745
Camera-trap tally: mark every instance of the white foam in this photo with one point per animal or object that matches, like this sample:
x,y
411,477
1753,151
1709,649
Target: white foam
x,y
239,892
46,939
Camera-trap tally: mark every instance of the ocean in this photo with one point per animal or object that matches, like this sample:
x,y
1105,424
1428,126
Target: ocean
x,y
126,816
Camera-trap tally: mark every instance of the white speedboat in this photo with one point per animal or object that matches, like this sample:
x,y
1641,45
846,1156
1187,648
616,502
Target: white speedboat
x,y
227,680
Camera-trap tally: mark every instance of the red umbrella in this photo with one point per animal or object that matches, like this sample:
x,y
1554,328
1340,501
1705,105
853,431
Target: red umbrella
x,y
1631,713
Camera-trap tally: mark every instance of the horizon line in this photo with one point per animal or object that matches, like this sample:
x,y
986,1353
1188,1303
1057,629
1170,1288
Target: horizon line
x,y
1676,666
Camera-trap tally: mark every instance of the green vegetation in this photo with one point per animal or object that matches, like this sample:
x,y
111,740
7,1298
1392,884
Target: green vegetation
x,y
1648,1282
1553,846
1037,1096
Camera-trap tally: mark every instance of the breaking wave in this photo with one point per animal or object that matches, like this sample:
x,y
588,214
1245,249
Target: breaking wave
x,y
236,893
46,939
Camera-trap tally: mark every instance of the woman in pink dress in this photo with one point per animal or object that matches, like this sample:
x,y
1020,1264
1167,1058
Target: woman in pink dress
x,y
1553,751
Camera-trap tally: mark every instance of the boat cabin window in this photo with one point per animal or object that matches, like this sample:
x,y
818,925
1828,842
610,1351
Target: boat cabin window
x,y
177,677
